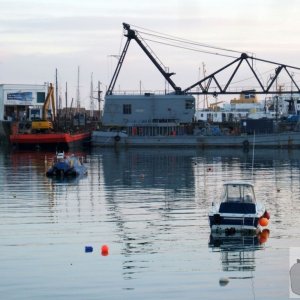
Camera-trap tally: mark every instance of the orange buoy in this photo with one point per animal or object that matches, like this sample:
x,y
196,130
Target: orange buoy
x,y
104,250
264,235
263,222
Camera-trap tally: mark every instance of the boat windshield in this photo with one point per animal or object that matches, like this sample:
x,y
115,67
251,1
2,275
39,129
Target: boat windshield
x,y
238,193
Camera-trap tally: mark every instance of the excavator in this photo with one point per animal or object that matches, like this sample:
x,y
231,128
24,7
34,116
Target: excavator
x,y
44,124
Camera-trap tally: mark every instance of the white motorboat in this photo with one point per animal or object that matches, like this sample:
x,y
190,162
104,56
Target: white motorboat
x,y
238,209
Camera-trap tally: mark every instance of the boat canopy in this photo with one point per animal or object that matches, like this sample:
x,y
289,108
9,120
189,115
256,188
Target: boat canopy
x,y
238,191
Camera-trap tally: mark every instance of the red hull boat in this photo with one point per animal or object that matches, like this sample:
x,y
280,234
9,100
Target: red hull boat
x,y
63,141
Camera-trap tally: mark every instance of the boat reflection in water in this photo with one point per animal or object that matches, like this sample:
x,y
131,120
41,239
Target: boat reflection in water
x,y
66,180
238,252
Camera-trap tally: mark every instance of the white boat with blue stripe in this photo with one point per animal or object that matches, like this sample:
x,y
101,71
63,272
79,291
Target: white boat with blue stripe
x,y
237,210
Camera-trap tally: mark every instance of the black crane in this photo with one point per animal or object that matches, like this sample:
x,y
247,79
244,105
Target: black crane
x,y
211,85
205,83
132,34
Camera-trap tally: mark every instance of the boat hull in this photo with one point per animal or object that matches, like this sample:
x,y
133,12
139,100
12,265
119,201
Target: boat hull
x,y
63,141
233,223
274,140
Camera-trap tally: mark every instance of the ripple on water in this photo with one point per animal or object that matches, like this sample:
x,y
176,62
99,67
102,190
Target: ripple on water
x,y
150,207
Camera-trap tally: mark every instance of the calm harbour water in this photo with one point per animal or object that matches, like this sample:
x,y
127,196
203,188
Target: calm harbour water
x,y
150,207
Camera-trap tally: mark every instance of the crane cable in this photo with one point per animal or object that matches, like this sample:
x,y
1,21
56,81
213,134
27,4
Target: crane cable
x,y
159,35
191,49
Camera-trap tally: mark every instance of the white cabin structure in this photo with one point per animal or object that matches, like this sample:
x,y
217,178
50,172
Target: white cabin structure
x,y
20,101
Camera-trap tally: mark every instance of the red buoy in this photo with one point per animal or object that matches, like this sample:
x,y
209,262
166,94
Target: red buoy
x,y
104,250
266,215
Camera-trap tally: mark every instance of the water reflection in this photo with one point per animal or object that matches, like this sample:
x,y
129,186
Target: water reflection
x,y
238,250
68,180
149,168
150,206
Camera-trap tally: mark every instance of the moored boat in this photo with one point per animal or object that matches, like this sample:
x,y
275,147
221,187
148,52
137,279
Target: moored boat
x,y
66,166
53,140
237,209
44,132
170,118
288,140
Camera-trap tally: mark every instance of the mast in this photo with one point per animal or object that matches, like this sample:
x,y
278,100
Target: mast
x,y
205,95
91,97
66,99
66,95
99,99
56,90
78,91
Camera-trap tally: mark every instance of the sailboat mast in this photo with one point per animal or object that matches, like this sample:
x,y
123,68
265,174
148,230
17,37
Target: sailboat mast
x,y
78,90
92,98
66,98
99,99
56,90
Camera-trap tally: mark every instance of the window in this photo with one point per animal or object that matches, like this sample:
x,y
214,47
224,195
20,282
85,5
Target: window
x,y
126,109
40,97
189,104
239,193
249,96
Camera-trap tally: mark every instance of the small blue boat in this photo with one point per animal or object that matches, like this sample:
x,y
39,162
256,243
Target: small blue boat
x,y
66,166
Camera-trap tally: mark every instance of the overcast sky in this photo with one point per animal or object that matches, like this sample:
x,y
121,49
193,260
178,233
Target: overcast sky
x,y
37,36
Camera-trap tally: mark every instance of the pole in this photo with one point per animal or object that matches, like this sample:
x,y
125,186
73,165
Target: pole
x,y
66,98
56,91
253,155
92,97
99,100
78,91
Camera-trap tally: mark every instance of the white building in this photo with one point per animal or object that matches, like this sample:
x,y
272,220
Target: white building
x,y
247,106
19,101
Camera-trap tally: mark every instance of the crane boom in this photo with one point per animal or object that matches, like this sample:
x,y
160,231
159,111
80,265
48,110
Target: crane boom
x,y
131,34
211,84
206,88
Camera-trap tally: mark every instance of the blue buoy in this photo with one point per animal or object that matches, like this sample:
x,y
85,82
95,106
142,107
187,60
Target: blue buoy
x,y
88,249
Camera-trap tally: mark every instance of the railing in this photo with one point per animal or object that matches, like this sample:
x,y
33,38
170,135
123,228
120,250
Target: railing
x,y
140,92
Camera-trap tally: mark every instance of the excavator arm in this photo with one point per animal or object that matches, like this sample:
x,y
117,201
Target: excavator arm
x,y
44,124
49,99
